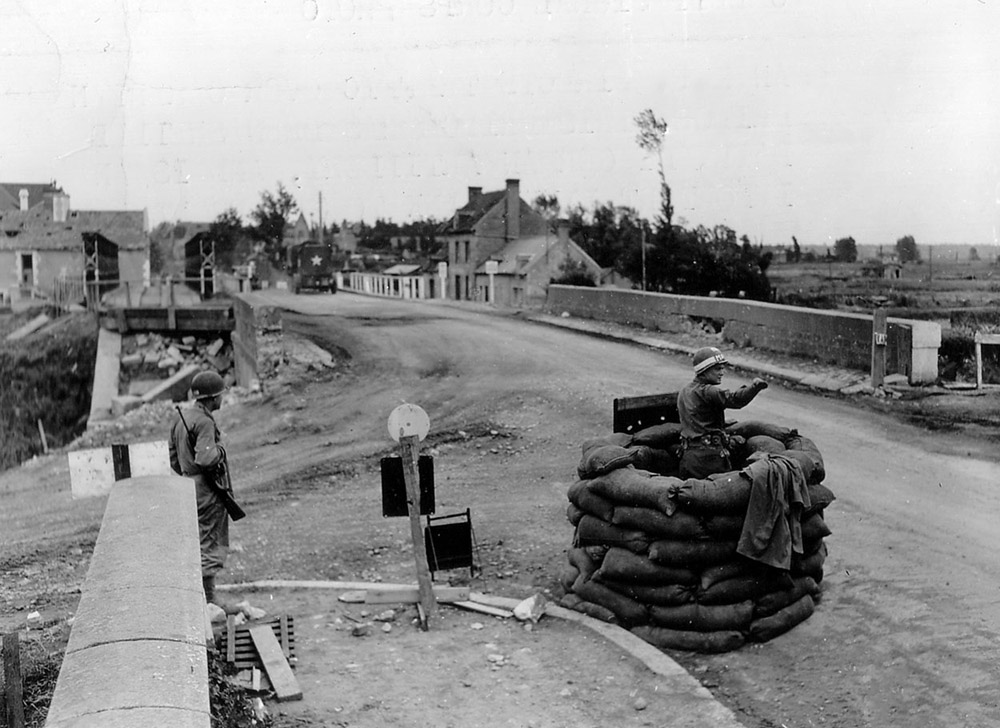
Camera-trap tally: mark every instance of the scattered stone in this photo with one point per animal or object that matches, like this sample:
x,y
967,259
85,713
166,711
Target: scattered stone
x,y
476,625
361,630
640,704
389,615
387,628
531,608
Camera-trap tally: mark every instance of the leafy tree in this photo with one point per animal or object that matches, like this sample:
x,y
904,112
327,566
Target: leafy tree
x,y
651,130
973,254
270,218
574,273
796,251
845,250
906,248
231,239
547,206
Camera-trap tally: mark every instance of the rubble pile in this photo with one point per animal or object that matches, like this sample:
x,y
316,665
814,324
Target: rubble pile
x,y
703,565
149,358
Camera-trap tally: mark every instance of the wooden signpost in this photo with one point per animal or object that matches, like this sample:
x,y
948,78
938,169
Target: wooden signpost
x,y
408,425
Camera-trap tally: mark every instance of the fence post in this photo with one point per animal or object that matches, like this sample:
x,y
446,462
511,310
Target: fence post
x,y
13,699
880,340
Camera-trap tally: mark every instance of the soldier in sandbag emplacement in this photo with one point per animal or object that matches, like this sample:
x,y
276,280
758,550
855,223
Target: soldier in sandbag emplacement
x,y
196,452
702,406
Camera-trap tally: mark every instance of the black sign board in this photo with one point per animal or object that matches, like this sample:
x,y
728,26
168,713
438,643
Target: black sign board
x,y
449,545
394,487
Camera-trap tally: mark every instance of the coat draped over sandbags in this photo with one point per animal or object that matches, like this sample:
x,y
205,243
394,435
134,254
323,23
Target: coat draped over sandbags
x,y
703,565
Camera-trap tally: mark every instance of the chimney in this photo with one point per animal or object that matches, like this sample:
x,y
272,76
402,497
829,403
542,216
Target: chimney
x,y
562,230
24,200
60,207
513,212
474,192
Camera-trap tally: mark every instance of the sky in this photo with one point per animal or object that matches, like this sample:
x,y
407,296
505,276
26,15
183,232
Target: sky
x,y
819,119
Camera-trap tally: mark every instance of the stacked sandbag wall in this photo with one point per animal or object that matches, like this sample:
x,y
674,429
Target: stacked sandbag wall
x,y
658,555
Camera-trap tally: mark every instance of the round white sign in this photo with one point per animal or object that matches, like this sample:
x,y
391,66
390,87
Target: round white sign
x,y
408,420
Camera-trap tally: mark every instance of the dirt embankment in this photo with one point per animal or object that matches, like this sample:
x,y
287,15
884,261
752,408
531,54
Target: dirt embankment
x,y
47,380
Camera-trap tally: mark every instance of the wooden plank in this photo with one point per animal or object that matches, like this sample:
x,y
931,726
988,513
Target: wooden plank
x,y
409,448
14,699
484,609
285,646
286,687
231,638
411,595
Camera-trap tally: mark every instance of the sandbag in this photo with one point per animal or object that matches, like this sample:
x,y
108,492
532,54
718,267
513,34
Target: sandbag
x,y
568,576
767,628
621,439
810,564
773,602
704,642
574,514
572,601
819,498
764,443
814,528
656,523
667,595
740,566
722,527
604,459
659,437
808,456
741,588
658,462
628,611
632,487
624,566
755,428
591,530
581,560
691,554
596,552
726,493
703,618
586,500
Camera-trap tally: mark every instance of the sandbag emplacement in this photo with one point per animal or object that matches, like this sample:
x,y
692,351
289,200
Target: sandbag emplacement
x,y
700,565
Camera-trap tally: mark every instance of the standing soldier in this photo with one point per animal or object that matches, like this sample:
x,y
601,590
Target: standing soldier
x,y
195,452
702,406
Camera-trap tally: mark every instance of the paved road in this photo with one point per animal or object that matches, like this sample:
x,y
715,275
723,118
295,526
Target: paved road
x,y
908,632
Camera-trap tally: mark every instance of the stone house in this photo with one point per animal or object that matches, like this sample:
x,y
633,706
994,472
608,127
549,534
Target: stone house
x,y
523,269
45,244
480,229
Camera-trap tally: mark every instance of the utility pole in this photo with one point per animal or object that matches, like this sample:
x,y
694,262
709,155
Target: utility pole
x,y
643,244
320,218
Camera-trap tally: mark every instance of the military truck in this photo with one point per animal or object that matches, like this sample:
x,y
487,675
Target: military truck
x,y
311,266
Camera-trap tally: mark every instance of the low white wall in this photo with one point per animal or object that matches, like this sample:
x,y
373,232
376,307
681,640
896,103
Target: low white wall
x,y
136,654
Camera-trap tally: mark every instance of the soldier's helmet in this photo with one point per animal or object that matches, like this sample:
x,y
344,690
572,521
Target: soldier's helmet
x,y
708,357
207,384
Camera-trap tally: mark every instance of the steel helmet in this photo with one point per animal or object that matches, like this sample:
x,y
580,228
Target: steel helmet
x,y
706,358
207,384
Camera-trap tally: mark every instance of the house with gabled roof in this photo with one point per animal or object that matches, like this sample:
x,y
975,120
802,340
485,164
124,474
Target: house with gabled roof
x,y
480,229
518,275
44,241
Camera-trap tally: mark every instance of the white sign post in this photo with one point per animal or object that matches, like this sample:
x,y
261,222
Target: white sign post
x,y
492,267
408,425
443,280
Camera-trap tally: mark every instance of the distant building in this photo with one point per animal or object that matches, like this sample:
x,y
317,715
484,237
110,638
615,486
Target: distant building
x,y
297,232
43,240
480,230
346,239
525,267
171,239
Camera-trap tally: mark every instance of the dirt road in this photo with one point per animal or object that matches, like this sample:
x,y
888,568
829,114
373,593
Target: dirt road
x,y
906,633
